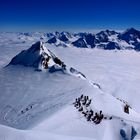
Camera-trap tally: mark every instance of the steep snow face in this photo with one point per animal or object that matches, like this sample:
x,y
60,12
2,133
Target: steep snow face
x,y
30,57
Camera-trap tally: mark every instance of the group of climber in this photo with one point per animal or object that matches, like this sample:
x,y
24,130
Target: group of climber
x,y
83,100
82,103
26,109
56,60
126,106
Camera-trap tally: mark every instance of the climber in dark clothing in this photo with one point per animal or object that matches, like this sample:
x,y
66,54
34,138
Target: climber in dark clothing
x,y
84,101
110,118
85,113
22,112
81,97
90,115
27,109
96,119
126,109
88,103
78,100
101,115
78,103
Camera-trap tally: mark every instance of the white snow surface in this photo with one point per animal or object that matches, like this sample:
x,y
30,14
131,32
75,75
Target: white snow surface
x,y
46,98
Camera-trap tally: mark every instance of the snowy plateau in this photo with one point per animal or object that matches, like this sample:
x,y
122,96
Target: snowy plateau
x,y
52,85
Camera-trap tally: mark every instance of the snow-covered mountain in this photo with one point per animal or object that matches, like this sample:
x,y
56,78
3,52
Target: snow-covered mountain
x,y
39,67
41,58
107,39
40,84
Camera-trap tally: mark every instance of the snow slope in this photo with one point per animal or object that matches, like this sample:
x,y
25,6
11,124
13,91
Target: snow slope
x,y
45,90
41,101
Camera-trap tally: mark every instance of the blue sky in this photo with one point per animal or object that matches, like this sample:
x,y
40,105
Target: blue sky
x,y
70,15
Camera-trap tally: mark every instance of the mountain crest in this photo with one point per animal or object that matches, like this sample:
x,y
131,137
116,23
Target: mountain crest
x,y
40,58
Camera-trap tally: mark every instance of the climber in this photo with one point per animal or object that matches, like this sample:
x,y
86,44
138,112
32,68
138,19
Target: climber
x,y
22,112
90,115
85,113
88,103
80,109
101,116
81,97
78,104
126,108
91,112
84,101
27,109
96,118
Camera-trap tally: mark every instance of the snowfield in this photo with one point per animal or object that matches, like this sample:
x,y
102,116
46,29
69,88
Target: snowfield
x,y
37,103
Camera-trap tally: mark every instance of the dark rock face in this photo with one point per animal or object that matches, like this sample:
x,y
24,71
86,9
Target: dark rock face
x,y
55,68
130,35
90,39
137,47
52,40
80,43
111,32
109,46
63,38
102,37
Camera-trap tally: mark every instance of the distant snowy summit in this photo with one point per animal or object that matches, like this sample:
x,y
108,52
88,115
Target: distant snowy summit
x,y
33,57
41,58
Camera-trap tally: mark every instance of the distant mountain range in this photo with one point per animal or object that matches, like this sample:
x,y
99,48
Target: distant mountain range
x,y
107,40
